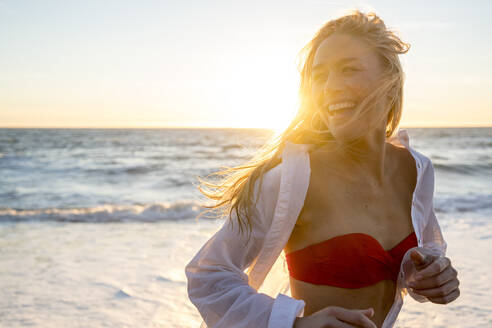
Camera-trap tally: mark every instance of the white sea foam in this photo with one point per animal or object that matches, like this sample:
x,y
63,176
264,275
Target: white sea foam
x,y
108,213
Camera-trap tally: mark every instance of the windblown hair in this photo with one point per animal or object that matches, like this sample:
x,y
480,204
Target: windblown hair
x,y
236,185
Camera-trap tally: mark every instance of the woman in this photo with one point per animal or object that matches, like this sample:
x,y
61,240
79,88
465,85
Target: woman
x,y
341,192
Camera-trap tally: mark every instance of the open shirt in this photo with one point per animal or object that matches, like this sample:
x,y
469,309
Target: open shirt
x,y
235,283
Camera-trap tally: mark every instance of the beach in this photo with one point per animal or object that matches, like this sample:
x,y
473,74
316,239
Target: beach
x,y
97,225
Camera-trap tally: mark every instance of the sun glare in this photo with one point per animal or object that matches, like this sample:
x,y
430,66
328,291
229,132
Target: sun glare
x,y
263,96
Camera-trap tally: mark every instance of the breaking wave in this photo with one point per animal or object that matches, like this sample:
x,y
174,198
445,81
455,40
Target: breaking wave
x,y
154,212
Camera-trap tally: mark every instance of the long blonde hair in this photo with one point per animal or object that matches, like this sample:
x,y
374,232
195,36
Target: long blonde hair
x,y
235,188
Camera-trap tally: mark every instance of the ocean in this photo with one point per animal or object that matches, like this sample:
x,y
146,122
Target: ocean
x,y
96,225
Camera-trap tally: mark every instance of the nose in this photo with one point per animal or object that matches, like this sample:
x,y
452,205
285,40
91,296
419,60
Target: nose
x,y
332,85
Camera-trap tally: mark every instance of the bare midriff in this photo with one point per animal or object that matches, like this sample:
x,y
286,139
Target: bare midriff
x,y
379,296
340,201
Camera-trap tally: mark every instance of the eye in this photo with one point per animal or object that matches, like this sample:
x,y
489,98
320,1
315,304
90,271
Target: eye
x,y
347,69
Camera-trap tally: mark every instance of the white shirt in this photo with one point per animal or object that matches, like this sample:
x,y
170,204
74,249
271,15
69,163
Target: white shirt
x,y
228,295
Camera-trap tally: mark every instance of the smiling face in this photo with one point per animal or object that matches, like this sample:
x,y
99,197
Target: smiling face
x,y
345,70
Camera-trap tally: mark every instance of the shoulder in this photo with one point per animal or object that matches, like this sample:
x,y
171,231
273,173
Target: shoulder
x,y
292,158
426,175
423,162
402,140
269,181
293,168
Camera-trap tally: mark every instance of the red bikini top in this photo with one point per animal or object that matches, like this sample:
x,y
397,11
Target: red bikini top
x,y
353,260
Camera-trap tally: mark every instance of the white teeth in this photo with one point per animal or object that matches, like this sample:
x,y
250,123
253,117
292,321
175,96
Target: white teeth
x,y
341,106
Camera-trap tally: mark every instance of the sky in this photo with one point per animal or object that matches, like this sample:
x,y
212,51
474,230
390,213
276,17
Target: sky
x,y
228,63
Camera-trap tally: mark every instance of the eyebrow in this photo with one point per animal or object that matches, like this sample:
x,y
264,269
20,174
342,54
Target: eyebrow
x,y
338,63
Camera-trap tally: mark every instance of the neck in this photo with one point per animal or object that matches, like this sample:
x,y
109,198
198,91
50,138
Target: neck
x,y
366,156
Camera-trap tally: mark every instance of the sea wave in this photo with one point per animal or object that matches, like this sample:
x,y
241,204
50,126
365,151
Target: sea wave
x,y
131,170
463,168
463,203
154,212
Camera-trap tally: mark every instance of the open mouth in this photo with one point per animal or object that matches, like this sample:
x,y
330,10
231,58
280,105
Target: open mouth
x,y
340,108
340,111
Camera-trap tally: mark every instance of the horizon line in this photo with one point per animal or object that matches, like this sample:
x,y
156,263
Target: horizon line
x,y
413,126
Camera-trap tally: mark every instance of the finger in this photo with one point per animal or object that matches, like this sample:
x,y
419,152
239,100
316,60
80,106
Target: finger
x,y
440,291
446,299
368,312
420,260
356,317
435,281
438,266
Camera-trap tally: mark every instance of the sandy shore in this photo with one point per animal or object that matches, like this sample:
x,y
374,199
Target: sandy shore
x,y
131,275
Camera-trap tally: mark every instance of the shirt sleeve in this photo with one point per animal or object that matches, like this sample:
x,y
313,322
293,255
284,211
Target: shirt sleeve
x,y
218,286
432,237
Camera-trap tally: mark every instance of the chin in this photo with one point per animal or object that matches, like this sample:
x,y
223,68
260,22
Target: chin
x,y
345,134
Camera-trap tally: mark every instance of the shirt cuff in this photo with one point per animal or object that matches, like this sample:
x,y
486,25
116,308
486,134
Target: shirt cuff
x,y
284,312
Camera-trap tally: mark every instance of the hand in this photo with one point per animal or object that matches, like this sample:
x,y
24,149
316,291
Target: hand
x,y
336,317
436,279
